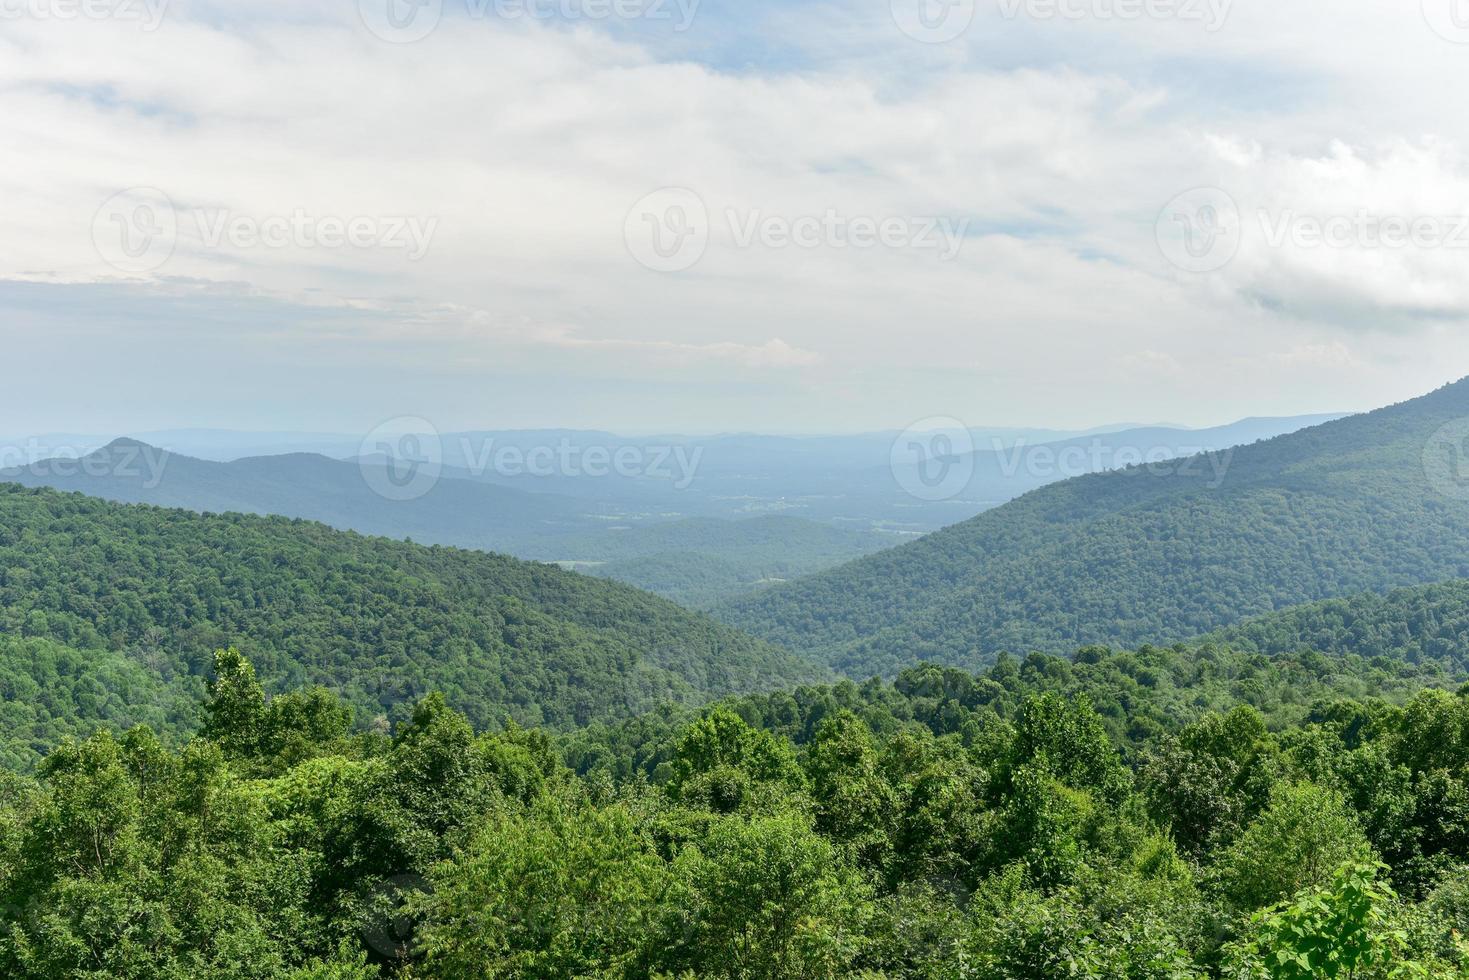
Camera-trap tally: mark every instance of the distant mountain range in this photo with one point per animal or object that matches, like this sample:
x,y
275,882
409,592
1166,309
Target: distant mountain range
x,y
696,560
696,520
1152,553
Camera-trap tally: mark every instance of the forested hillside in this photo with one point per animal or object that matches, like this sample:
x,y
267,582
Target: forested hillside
x,y
145,595
696,561
1146,554
949,826
703,561
1414,625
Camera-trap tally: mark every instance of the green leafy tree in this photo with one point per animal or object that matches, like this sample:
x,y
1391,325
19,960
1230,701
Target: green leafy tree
x,y
855,805
771,898
720,762
559,890
234,715
1345,928
1298,842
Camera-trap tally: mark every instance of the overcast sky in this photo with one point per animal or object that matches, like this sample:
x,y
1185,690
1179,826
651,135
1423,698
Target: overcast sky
x,y
727,214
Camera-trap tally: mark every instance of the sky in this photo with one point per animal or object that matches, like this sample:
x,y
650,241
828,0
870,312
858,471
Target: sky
x,y
719,215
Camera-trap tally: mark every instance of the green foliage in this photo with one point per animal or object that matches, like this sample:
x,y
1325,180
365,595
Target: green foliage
x,y
1021,824
109,614
1424,623
1300,839
559,889
1343,928
1022,933
771,898
723,764
854,804
1155,554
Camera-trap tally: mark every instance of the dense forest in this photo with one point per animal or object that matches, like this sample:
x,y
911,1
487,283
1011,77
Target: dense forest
x,y
945,826
255,747
1428,622
701,562
695,561
1145,554
130,600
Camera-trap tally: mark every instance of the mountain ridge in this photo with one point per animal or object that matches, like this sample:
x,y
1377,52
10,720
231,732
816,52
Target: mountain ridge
x,y
381,621
1138,555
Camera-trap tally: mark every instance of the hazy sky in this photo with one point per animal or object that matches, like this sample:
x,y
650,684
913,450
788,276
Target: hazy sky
x,y
727,214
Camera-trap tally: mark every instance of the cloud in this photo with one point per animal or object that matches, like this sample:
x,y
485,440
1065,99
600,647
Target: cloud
x,y
1150,362
1332,355
523,144
1375,236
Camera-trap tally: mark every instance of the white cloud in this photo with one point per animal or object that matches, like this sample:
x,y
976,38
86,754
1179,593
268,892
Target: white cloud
x,y
527,143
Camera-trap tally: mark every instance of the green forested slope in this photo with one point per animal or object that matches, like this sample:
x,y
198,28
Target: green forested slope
x,y
380,621
700,562
1145,555
1419,624
49,691
695,561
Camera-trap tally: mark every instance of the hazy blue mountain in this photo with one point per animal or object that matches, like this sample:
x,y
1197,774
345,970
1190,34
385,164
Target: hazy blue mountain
x,y
606,538
848,480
